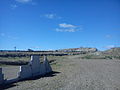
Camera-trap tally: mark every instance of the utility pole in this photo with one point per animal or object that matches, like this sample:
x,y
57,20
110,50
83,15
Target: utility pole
x,y
15,48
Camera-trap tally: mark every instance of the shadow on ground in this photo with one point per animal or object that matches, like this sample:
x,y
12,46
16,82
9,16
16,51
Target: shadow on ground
x,y
6,86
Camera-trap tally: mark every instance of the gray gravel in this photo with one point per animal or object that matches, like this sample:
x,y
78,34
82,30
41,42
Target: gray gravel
x,y
77,74
10,72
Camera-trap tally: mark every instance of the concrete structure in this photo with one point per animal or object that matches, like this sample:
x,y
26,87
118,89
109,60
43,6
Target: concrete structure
x,y
1,77
47,65
34,68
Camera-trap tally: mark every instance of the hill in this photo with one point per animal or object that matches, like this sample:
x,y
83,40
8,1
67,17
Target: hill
x,y
113,51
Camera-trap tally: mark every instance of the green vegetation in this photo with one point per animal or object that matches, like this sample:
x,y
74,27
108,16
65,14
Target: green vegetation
x,y
54,56
100,57
15,58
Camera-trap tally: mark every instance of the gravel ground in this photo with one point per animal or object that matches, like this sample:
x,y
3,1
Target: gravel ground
x,y
10,71
77,74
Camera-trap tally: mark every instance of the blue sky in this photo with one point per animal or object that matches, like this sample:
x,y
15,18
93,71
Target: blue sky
x,y
57,24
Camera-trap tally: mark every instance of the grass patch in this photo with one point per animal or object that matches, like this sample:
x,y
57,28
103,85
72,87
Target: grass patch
x,y
100,57
15,58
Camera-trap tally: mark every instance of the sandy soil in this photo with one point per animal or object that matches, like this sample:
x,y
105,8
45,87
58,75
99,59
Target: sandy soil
x,y
73,73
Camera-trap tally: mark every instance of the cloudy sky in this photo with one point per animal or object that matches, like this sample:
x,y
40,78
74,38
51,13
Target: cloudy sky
x,y
57,24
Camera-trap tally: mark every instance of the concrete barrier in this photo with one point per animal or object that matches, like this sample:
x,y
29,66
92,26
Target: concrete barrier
x,y
47,65
34,68
35,65
25,72
1,77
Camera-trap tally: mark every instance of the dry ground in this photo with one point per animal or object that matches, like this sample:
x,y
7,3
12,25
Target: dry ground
x,y
75,74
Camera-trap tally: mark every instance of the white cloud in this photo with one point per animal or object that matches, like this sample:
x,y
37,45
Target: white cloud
x,y
110,46
51,16
64,27
31,2
24,1
66,30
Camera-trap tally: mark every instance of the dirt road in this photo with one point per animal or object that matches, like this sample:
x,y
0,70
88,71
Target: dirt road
x,y
73,73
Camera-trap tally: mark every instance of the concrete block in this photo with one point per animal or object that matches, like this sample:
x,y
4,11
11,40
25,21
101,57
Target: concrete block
x,y
1,77
48,68
42,69
25,72
34,68
35,65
